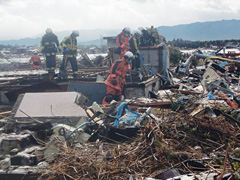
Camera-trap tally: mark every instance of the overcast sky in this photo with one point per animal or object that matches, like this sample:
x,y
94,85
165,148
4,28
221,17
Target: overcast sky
x,y
28,18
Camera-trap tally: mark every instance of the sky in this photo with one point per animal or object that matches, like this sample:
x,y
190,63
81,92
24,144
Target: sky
x,y
30,18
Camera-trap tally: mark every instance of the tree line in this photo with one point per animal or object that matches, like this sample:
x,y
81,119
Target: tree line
x,y
199,44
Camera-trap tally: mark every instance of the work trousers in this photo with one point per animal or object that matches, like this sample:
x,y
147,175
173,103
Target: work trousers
x,y
51,62
112,94
136,62
73,62
113,91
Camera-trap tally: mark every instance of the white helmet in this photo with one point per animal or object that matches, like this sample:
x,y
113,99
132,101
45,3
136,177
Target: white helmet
x,y
128,55
140,28
137,33
35,51
48,30
75,32
127,31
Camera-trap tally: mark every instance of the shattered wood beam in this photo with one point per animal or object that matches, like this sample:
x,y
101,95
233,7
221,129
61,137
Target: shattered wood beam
x,y
87,59
5,113
91,114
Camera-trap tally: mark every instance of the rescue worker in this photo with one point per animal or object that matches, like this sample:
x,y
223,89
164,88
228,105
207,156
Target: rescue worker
x,y
116,79
145,39
69,45
49,47
153,35
35,61
134,43
122,41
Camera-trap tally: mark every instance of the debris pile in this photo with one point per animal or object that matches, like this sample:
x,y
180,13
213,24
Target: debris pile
x,y
167,141
187,130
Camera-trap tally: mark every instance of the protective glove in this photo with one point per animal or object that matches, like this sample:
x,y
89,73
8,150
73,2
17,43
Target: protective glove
x,y
67,49
126,46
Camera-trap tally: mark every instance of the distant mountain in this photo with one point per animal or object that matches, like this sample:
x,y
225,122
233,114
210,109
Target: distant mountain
x,y
87,37
96,42
199,31
22,42
203,31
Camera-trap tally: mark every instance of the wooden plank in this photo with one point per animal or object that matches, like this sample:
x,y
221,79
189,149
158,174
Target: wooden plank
x,y
6,112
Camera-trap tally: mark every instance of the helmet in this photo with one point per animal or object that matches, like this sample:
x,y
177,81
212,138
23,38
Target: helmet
x,y
35,51
137,33
140,28
127,31
75,33
48,30
128,55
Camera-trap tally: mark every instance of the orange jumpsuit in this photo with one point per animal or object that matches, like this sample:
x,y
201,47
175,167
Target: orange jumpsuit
x,y
122,42
36,61
116,80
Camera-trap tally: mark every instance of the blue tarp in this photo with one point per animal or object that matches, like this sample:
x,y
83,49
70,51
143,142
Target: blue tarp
x,y
129,115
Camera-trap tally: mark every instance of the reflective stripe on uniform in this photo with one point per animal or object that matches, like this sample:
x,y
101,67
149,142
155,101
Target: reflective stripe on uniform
x,y
118,72
49,54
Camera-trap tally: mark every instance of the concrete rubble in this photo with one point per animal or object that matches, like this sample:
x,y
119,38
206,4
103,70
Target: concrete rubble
x,y
177,126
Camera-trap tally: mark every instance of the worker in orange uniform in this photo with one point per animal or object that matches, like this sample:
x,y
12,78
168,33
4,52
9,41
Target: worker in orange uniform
x,y
122,41
35,60
116,79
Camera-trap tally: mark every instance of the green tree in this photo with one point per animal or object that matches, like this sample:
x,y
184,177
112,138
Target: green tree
x,y
175,55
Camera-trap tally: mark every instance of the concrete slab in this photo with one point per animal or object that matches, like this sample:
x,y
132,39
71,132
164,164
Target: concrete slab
x,y
53,104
